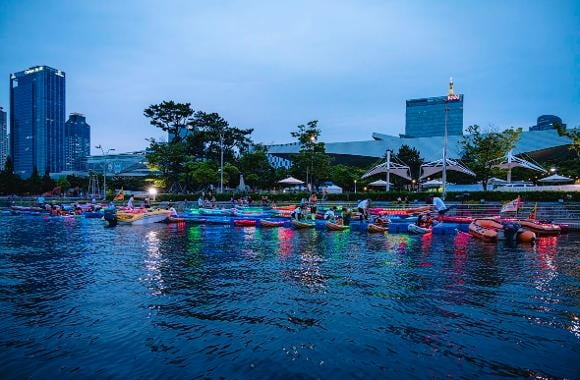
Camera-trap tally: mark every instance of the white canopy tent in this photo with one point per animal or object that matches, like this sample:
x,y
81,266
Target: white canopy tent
x,y
379,183
431,184
291,181
389,167
434,167
555,178
509,161
332,189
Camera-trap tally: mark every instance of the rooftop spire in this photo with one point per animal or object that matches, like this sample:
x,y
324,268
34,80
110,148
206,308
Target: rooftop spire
x,y
451,93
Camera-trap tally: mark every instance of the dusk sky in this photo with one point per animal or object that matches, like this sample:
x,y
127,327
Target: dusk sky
x,y
272,65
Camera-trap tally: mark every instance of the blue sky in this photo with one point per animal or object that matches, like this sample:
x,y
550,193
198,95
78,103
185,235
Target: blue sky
x,y
271,65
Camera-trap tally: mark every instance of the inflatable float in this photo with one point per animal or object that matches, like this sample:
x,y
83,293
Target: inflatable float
x,y
491,230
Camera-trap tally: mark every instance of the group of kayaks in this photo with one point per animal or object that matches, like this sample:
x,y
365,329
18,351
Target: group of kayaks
x,y
485,229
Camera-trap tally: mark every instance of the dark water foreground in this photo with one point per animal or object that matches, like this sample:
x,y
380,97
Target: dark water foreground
x,y
80,300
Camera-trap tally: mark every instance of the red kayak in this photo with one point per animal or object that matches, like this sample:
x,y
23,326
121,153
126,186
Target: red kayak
x,y
244,223
455,219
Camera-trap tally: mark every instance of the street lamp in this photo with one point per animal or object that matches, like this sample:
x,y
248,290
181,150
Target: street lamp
x,y
313,140
221,161
413,184
355,186
152,192
104,167
552,170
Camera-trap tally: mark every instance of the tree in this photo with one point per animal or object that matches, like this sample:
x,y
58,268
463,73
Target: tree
x,y
231,175
169,160
63,183
171,117
344,176
202,173
256,163
47,183
210,129
34,183
311,162
411,156
479,149
10,183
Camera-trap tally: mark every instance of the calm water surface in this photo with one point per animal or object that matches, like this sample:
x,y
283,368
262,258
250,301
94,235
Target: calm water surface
x,y
81,300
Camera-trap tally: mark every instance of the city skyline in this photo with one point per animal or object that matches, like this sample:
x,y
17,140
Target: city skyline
x,y
271,67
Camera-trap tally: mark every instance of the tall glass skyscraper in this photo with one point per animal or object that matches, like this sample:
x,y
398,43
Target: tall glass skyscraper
x,y
77,136
37,117
425,117
3,138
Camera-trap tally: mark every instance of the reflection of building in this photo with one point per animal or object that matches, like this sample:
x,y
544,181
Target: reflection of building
x,y
131,164
425,117
546,122
3,139
37,113
77,142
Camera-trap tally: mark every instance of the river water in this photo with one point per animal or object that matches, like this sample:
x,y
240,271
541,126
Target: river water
x,y
81,300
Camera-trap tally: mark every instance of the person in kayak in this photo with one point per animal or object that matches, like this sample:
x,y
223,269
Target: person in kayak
x,y
297,213
346,214
130,203
313,200
330,214
424,220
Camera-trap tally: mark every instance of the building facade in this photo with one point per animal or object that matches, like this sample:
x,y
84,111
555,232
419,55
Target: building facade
x,y
130,164
545,122
77,137
3,138
37,118
425,117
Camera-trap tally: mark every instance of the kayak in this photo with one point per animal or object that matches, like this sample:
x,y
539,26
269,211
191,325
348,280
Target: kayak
x,y
484,230
373,228
175,219
398,211
336,227
455,219
269,223
245,223
415,229
542,229
216,211
300,225
143,218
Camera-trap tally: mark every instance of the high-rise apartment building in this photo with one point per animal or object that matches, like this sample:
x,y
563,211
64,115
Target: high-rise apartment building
x,y
77,148
3,138
37,118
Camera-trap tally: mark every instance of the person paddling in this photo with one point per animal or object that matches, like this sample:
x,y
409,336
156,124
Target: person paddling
x,y
130,203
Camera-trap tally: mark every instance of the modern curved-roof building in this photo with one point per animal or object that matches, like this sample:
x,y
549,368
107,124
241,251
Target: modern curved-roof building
x,y
537,144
